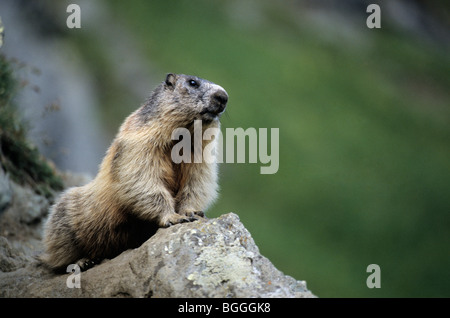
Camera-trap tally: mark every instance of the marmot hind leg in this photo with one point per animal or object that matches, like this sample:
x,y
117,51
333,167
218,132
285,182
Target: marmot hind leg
x,y
86,263
58,258
60,238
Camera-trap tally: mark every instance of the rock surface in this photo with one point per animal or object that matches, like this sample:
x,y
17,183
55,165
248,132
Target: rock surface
x,y
205,258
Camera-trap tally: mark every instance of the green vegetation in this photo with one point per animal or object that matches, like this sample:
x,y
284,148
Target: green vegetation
x,y
20,159
364,171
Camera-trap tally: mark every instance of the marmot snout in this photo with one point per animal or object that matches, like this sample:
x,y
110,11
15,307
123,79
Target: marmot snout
x,y
138,186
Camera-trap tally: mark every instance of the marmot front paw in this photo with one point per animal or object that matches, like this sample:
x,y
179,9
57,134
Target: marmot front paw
x,y
175,218
193,214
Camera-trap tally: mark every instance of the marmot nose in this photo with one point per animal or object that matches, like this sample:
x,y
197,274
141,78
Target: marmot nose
x,y
221,98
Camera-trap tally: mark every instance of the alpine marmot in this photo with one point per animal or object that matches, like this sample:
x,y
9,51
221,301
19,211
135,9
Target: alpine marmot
x,y
138,187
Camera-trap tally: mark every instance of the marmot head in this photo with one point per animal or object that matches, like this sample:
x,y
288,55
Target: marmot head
x,y
185,98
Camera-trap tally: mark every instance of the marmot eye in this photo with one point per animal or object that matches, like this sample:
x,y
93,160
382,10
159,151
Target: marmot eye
x,y
194,83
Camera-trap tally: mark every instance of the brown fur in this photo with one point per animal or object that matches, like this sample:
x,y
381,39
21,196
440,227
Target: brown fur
x,y
138,187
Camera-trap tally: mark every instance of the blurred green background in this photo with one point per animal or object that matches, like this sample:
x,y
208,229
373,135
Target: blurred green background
x,y
363,116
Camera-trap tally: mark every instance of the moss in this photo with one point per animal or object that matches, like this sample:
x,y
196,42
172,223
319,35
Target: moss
x,y
17,156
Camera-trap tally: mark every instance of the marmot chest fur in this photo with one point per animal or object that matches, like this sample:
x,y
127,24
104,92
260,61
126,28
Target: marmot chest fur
x,y
138,186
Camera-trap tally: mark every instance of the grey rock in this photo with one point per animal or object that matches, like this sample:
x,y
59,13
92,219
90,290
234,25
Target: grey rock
x,y
5,191
21,221
10,258
206,258
30,207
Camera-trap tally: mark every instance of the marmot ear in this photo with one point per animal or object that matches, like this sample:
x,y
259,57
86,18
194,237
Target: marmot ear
x,y
170,80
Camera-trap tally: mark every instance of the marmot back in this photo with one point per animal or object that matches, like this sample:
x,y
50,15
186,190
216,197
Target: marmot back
x,y
138,186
